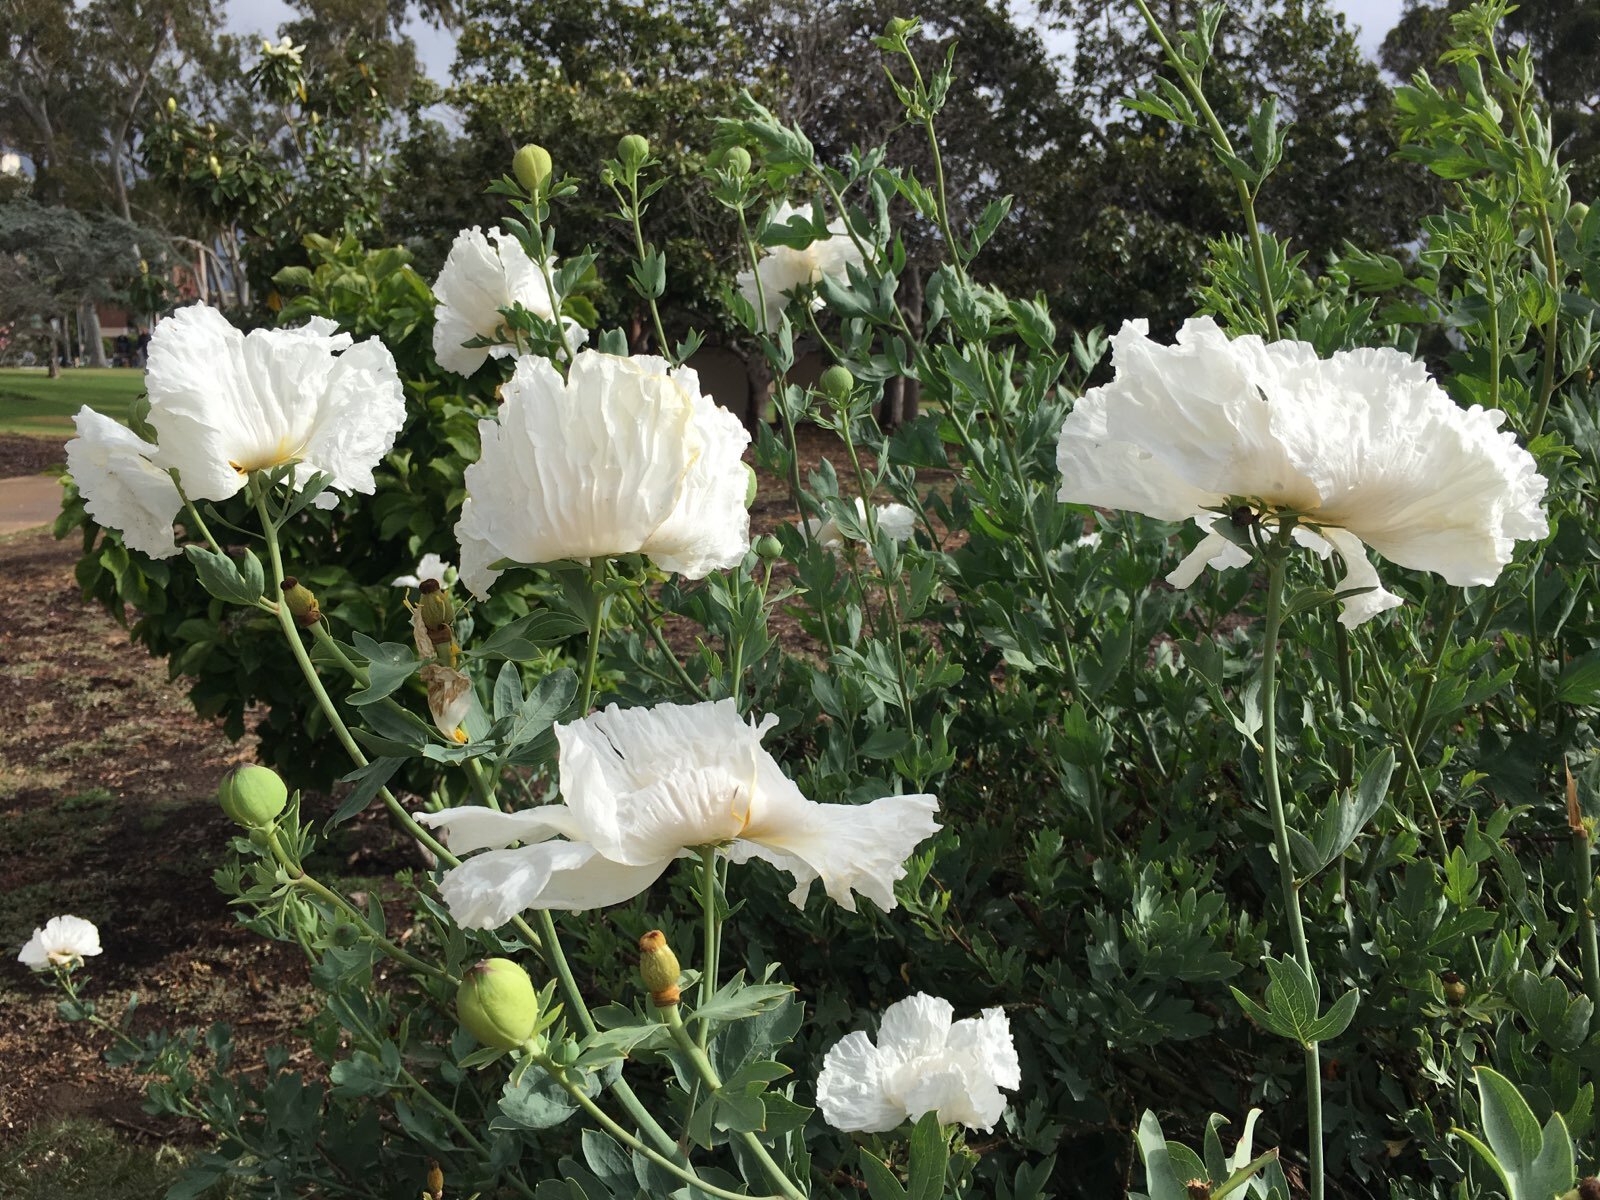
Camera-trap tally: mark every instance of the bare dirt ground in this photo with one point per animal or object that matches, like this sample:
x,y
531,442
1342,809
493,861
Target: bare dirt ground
x,y
21,455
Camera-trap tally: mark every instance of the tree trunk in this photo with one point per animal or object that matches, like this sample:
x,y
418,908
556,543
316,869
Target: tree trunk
x,y
89,322
891,411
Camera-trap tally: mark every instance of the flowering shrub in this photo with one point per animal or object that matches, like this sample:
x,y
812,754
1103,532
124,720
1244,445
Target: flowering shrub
x,y
1303,846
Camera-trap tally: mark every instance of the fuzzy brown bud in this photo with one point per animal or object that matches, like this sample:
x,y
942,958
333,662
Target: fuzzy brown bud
x,y
434,1188
1198,1189
301,602
1455,992
1589,1188
659,969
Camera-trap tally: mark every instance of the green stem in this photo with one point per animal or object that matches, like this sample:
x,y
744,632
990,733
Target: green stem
x,y
650,616
638,241
673,1019
548,945
713,935
594,617
1269,306
1583,899
559,1074
300,878
1277,565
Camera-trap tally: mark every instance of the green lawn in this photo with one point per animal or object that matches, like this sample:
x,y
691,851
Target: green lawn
x,y
32,402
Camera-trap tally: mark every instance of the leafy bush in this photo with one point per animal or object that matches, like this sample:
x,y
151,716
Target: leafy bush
x,y
1312,886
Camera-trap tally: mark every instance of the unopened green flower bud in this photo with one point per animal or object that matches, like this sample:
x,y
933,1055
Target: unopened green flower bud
x,y
769,547
301,602
659,969
172,105
497,1005
737,160
531,165
750,485
632,150
837,383
1576,212
252,795
437,606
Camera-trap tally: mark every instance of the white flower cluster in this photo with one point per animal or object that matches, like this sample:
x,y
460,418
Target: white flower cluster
x,y
785,271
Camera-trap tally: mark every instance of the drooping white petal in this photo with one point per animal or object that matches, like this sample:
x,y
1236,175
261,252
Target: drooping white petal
x,y
224,403
598,465
472,828
121,488
1214,550
851,848
61,942
489,889
850,1089
1358,573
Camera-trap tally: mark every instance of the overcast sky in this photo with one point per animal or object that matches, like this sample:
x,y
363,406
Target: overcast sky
x,y
1371,18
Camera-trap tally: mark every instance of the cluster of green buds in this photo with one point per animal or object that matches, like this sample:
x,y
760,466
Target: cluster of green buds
x,y
253,796
496,1004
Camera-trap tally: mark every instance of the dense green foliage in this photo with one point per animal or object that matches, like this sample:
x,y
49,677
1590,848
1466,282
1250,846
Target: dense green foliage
x,y
1106,872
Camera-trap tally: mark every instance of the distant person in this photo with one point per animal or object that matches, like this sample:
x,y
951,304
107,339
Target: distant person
x,y
122,351
142,355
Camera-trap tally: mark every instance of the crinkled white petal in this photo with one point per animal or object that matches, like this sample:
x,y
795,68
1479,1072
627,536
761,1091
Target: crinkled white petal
x,y
646,783
224,403
896,520
850,1089
121,488
1363,441
923,1062
489,889
782,271
600,464
482,274
851,848
59,942
709,528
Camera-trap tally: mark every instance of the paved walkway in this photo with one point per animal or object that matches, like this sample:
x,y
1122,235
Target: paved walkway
x,y
28,501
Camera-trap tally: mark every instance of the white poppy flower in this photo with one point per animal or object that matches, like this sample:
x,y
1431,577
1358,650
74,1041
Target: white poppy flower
x,y
898,521
284,49
484,273
922,1062
644,786
783,270
122,488
225,403
430,566
1363,448
62,942
623,456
